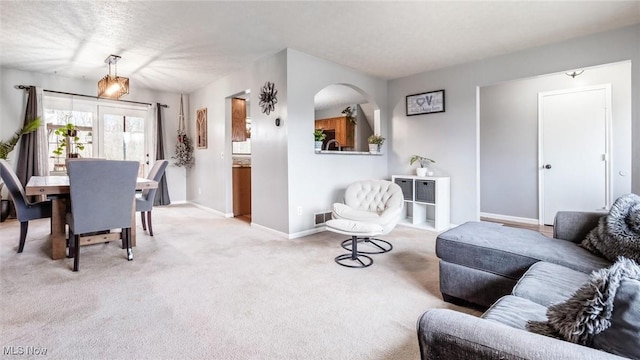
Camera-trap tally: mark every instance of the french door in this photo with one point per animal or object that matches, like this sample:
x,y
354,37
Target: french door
x,y
123,135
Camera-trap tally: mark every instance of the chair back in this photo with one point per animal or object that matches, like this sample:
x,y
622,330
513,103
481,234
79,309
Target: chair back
x,y
155,174
16,191
102,194
374,195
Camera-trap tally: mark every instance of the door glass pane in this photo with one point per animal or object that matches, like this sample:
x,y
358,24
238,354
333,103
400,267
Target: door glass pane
x,y
124,138
83,121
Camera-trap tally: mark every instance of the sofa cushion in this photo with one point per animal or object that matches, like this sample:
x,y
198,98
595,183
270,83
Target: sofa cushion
x,y
510,251
546,283
515,312
603,313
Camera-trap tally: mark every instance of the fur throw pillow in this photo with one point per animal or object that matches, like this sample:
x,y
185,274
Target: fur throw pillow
x,y
618,233
590,311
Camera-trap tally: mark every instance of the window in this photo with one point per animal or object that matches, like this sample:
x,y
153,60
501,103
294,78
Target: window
x,y
110,132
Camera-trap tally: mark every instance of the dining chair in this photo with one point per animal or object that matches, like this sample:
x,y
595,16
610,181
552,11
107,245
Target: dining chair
x,y
144,202
25,210
102,193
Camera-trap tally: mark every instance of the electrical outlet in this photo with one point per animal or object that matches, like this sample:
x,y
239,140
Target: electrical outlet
x,y
199,191
299,210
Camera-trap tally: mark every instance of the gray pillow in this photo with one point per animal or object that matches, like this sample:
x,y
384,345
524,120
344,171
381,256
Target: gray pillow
x,y
623,336
604,313
618,233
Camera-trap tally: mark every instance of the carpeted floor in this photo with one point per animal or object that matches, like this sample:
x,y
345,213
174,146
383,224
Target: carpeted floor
x,y
206,287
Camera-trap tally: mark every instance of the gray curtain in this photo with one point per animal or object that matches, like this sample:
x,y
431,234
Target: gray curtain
x,y
162,195
28,162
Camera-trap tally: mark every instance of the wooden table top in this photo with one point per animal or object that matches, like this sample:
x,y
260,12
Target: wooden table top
x,y
56,185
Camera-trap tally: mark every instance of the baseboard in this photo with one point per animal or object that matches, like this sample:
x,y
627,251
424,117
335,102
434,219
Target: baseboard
x,y
280,233
307,232
208,209
510,218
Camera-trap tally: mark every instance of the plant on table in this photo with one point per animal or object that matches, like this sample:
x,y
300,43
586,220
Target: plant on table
x,y
423,161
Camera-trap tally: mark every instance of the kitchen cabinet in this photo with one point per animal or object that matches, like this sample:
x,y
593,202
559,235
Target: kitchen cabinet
x,y
241,190
344,129
238,120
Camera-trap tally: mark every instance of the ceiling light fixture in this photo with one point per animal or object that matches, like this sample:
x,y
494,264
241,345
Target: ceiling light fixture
x,y
574,73
113,86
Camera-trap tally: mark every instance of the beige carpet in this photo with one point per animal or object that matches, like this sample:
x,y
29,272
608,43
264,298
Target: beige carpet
x,y
206,287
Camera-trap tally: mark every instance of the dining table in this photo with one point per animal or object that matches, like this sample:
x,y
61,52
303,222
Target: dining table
x,y
56,188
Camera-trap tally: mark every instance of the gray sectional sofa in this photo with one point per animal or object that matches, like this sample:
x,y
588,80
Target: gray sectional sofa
x,y
516,274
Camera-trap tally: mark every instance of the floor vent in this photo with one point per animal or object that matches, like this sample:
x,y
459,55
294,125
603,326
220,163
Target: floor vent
x,y
321,218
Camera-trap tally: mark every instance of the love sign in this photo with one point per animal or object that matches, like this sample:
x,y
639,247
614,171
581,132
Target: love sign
x,y
425,103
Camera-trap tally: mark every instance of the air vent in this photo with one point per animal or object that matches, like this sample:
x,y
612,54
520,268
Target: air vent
x,y
321,218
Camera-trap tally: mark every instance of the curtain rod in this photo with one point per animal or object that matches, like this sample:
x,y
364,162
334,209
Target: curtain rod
x,y
26,87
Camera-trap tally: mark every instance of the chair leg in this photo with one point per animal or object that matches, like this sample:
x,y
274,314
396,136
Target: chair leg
x,y
76,253
127,233
24,226
144,223
71,245
149,222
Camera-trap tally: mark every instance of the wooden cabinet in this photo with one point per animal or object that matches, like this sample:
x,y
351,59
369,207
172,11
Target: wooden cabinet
x,y
345,129
241,191
238,120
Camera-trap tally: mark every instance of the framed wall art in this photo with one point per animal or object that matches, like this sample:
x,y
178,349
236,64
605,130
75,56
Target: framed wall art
x,y
201,128
425,103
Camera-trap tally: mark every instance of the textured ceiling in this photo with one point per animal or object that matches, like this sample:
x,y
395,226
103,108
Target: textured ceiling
x,y
182,46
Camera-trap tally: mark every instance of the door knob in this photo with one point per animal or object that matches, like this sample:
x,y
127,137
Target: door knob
x,y
548,166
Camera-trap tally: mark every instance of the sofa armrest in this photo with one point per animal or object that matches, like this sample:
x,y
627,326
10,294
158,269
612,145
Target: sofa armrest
x,y
447,334
575,225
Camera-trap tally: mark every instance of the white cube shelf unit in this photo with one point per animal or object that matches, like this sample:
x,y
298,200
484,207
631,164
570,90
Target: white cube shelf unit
x,y
426,201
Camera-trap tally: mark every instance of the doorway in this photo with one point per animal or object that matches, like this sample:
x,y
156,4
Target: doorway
x,y
241,154
575,140
509,140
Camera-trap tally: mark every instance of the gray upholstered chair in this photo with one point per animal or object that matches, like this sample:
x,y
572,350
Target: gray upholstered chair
x,y
25,210
102,193
371,208
144,202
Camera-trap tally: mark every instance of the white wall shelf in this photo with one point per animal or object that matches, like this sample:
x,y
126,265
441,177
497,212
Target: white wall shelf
x,y
426,201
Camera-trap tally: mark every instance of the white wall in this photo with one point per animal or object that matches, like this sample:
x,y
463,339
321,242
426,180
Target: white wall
x,y
509,137
452,138
286,173
13,102
318,180
210,180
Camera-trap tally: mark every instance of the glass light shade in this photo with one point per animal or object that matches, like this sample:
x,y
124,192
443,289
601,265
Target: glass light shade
x,y
113,87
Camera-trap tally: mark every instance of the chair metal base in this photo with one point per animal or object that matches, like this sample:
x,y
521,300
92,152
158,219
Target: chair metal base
x,y
354,259
382,246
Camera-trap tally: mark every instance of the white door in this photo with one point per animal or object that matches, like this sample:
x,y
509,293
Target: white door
x,y
574,143
123,135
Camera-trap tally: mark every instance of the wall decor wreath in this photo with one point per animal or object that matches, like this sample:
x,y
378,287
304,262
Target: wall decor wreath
x,y
268,97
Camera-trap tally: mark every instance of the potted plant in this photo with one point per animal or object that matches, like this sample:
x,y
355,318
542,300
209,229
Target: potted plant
x,y
423,170
375,142
67,138
318,136
5,148
348,113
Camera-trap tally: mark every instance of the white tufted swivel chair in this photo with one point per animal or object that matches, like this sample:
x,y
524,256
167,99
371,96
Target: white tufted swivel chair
x,y
371,208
